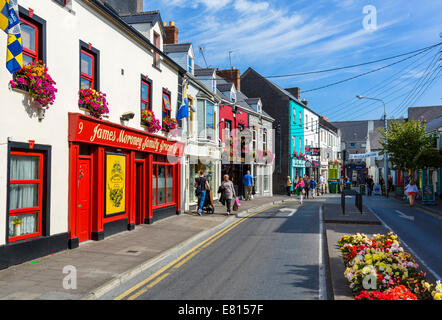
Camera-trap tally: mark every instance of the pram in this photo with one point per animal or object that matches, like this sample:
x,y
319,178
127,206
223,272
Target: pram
x,y
208,203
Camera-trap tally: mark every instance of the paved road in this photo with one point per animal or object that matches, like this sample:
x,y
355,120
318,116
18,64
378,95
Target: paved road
x,y
272,255
420,231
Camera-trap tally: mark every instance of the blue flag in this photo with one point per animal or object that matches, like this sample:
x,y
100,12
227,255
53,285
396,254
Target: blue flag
x,y
183,111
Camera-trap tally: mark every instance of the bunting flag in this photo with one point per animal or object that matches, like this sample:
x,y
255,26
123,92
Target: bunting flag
x,y
10,23
183,111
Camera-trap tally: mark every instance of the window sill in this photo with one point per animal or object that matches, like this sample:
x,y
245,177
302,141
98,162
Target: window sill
x,y
21,89
156,67
65,7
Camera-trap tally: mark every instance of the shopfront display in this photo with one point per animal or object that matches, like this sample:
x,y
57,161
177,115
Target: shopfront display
x,y
119,177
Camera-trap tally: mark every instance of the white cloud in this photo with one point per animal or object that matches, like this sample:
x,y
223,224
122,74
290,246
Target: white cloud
x,y
250,6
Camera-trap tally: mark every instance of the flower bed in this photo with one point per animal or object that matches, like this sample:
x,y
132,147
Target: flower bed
x,y
382,264
35,79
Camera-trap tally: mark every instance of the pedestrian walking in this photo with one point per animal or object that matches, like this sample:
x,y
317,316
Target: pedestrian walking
x,y
289,186
382,183
229,193
306,185
202,185
249,183
313,185
370,184
300,186
321,184
390,184
411,190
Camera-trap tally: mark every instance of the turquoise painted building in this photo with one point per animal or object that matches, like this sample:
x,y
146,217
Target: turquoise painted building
x,y
296,140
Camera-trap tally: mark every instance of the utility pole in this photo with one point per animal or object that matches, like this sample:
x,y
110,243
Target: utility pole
x,y
385,139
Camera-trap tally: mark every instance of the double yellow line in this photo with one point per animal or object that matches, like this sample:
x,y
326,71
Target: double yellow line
x,y
151,281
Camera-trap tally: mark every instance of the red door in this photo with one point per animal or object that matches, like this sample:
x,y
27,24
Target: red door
x,y
83,201
139,194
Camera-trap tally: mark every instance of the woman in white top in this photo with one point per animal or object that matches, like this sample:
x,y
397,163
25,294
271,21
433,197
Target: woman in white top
x,y
411,190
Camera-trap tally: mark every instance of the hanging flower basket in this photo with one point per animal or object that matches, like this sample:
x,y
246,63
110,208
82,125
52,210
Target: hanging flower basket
x,y
152,124
94,101
169,124
35,79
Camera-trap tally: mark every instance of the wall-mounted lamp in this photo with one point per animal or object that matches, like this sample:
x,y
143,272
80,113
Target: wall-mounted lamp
x,y
127,116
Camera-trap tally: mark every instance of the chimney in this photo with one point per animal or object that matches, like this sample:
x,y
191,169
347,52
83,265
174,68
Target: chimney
x,y
295,91
305,102
126,7
232,75
171,33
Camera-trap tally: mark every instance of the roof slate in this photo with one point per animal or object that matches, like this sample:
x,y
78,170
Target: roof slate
x,y
172,48
424,113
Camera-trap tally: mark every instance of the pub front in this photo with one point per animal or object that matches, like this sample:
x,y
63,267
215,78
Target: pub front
x,y
119,177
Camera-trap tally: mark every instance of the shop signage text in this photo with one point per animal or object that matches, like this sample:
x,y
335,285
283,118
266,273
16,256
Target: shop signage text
x,y
98,132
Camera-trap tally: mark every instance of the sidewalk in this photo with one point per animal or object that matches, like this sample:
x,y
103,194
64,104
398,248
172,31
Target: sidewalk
x,y
116,258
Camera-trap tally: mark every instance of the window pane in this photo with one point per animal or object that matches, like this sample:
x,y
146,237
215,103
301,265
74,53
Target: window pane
x,y
201,119
28,36
86,84
23,196
161,185
144,91
28,225
154,186
210,119
86,64
27,59
24,167
169,184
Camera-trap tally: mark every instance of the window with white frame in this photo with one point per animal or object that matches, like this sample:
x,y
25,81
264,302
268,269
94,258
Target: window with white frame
x,y
206,119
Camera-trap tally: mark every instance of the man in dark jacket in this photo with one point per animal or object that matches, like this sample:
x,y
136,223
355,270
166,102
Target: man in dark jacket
x,y
307,185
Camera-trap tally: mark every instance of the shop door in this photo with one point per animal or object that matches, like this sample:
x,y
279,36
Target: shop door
x,y
139,194
83,201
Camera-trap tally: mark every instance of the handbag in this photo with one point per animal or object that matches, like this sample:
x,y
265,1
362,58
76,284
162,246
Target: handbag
x,y
235,206
303,191
237,202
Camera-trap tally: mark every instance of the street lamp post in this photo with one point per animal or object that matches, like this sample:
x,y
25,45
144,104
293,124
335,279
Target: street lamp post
x,y
385,139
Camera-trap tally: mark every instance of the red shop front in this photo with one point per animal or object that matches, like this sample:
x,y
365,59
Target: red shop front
x,y
119,177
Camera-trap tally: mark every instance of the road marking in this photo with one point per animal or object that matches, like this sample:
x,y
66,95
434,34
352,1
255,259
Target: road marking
x,y
291,211
322,286
150,285
403,215
436,276
186,256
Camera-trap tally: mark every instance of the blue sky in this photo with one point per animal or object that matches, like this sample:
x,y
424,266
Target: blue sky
x,y
284,37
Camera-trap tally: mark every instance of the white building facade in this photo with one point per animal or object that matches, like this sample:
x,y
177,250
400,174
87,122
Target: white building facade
x,y
43,160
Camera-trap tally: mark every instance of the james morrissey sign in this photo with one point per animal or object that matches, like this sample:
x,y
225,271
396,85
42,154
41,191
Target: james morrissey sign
x,y
84,129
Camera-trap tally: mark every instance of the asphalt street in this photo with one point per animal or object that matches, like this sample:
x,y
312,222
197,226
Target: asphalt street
x,y
272,255
421,232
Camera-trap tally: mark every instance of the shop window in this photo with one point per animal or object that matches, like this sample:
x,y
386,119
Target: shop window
x,y
25,195
167,107
89,67
33,34
146,93
163,186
